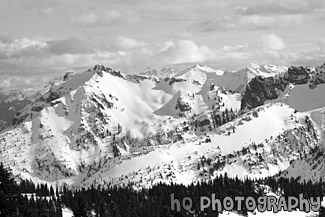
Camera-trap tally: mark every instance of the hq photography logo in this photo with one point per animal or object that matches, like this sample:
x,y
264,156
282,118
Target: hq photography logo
x,y
262,204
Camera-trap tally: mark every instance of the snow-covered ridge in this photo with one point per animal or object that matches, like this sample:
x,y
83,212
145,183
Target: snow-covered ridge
x,y
165,72
103,126
266,70
231,80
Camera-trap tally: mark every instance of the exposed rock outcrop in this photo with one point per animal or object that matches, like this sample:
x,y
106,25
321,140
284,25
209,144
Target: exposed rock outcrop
x,y
99,69
297,75
260,89
183,105
317,76
67,76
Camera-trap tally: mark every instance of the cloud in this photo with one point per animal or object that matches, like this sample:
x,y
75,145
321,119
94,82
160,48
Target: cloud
x,y
4,39
271,48
130,54
86,19
313,56
125,43
38,4
320,43
27,56
283,7
268,22
107,18
211,25
124,53
30,55
5,84
69,46
28,48
258,15
273,42
46,10
10,47
246,22
265,48
184,51
19,81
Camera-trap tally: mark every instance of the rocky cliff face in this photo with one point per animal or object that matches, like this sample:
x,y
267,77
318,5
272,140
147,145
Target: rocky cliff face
x,y
298,75
317,76
10,102
183,105
67,76
261,89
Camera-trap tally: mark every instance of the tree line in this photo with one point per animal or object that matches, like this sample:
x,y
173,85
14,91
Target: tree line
x,y
27,199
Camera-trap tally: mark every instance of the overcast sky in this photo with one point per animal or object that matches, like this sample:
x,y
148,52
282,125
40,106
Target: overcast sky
x,y
43,38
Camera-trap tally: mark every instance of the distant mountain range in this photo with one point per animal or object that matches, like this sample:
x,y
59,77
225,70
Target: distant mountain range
x,y
105,127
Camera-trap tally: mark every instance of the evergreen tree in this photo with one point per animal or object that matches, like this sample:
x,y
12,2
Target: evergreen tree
x,y
51,191
9,193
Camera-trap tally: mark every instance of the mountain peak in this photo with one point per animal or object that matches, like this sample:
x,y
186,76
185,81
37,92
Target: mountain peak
x,y
100,69
164,72
253,65
201,68
196,66
265,70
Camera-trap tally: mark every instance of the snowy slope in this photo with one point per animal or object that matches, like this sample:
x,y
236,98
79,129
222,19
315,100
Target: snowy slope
x,y
104,127
311,103
305,99
94,116
237,80
78,118
178,162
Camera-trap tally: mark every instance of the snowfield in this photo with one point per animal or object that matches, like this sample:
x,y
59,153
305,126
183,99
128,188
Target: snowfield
x,y
103,127
305,99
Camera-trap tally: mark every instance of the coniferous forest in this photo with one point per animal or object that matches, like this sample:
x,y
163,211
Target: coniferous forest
x,y
28,199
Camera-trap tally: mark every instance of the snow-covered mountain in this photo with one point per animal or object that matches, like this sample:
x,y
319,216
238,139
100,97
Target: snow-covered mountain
x,y
11,101
230,80
237,80
164,72
104,127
